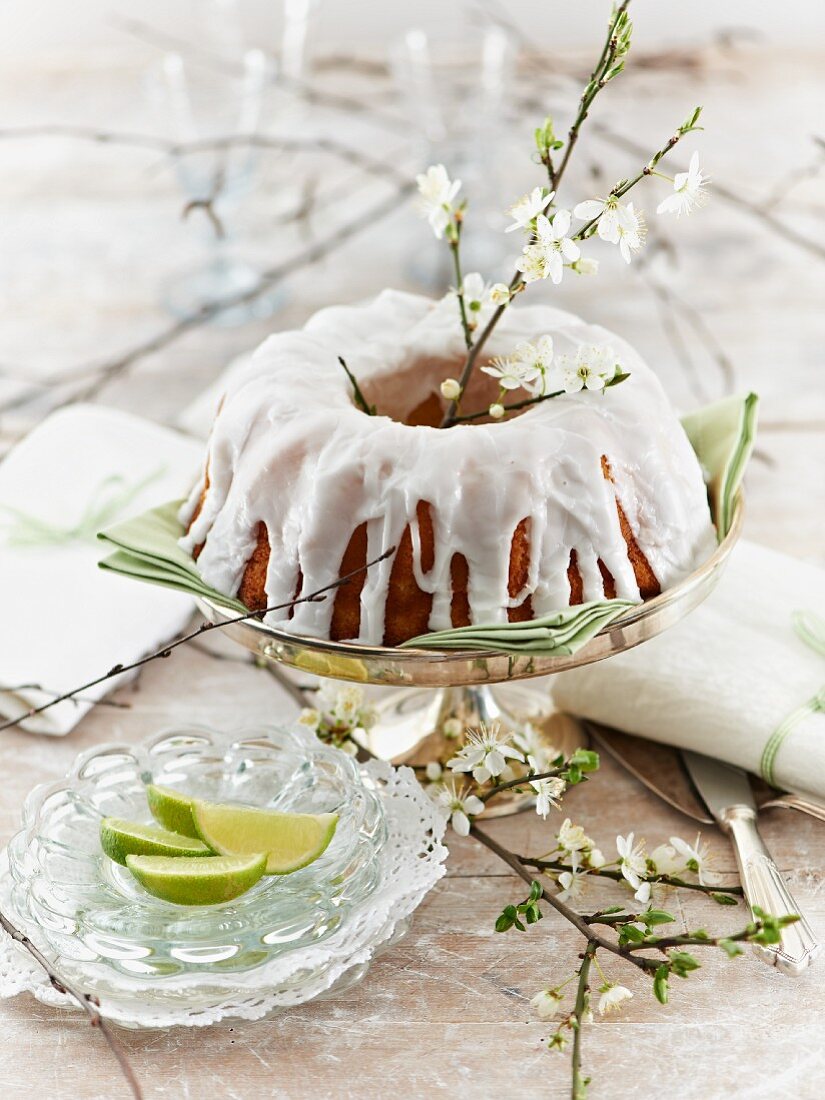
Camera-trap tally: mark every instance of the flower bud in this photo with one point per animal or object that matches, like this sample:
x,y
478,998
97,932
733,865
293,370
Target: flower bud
x,y
499,294
496,411
451,389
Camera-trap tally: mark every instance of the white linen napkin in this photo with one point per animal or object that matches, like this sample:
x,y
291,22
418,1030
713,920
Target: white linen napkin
x,y
62,620
728,677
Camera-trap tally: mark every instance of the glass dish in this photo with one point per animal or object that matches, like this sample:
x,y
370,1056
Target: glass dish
x,y
292,936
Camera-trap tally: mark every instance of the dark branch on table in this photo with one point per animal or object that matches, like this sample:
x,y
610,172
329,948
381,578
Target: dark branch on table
x,y
204,628
101,374
89,1003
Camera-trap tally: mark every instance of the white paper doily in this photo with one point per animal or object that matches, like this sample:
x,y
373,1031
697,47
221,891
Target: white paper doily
x,y
411,862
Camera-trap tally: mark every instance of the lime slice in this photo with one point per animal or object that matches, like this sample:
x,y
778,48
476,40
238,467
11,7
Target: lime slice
x,y
291,841
172,809
120,839
203,880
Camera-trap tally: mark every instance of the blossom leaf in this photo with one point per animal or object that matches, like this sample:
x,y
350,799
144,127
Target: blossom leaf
x,y
660,986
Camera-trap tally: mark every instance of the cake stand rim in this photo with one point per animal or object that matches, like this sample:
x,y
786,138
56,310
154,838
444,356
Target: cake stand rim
x,y
403,666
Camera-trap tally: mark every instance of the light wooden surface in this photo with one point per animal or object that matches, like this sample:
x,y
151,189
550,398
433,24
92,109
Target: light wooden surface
x,y
89,235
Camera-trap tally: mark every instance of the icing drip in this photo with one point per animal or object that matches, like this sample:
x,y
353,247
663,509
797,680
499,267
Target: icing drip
x,y
289,449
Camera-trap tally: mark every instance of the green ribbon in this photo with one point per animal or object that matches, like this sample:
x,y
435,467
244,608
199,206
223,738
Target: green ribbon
x,y
109,499
810,629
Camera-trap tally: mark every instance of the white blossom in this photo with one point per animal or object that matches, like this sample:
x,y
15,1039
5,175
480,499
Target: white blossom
x,y
436,192
528,207
545,1003
532,743
341,711
460,804
526,368
696,856
572,883
548,793
585,266
544,257
642,894
632,860
667,860
450,388
595,858
611,212
499,294
433,771
631,238
689,191
572,838
452,728
612,996
592,367
486,753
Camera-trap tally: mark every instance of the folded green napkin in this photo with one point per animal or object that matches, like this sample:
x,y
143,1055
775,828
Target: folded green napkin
x,y
561,633
722,435
146,548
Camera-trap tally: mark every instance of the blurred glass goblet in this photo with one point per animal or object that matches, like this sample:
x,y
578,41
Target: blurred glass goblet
x,y
454,90
210,108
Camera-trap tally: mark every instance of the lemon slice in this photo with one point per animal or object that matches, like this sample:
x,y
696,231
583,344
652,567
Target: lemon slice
x,y
203,880
120,839
171,809
291,841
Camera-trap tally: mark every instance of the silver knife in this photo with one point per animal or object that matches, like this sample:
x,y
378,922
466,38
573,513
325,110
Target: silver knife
x,y
727,793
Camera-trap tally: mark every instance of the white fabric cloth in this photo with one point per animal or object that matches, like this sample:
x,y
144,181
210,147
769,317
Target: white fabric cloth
x,y
62,620
726,677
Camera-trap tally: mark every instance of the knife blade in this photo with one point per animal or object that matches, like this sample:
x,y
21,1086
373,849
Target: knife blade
x,y
727,793
660,768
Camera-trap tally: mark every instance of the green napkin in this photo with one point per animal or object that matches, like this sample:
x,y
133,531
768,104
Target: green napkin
x,y
561,633
146,548
722,435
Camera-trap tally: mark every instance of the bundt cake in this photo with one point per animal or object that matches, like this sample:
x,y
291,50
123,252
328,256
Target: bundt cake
x,y
582,497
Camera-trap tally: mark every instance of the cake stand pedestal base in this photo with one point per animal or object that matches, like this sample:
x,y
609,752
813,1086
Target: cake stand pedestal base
x,y
410,725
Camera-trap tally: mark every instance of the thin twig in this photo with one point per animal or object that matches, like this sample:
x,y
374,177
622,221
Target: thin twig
x,y
594,86
617,876
512,407
513,861
101,374
360,400
89,1003
204,628
520,782
579,1086
788,233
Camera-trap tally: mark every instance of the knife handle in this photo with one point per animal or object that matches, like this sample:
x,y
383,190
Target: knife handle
x,y
764,886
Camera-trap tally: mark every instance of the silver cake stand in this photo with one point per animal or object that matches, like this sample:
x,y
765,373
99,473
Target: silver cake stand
x,y
470,686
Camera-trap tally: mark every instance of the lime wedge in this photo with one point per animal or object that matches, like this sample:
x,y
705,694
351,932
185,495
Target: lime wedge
x,y
291,841
172,809
120,839
203,880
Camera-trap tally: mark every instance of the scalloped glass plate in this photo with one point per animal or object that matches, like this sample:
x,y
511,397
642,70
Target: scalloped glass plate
x,y
289,935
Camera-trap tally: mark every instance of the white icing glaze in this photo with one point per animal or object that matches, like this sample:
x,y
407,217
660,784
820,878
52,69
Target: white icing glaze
x,y
290,449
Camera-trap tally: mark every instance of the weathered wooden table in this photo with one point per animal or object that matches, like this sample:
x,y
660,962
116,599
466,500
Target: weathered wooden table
x,y
90,233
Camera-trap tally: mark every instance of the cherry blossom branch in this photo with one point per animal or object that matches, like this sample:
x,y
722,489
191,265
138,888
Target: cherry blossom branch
x,y
520,782
769,220
99,375
204,628
617,876
580,1010
87,1001
517,283
512,407
455,245
598,79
